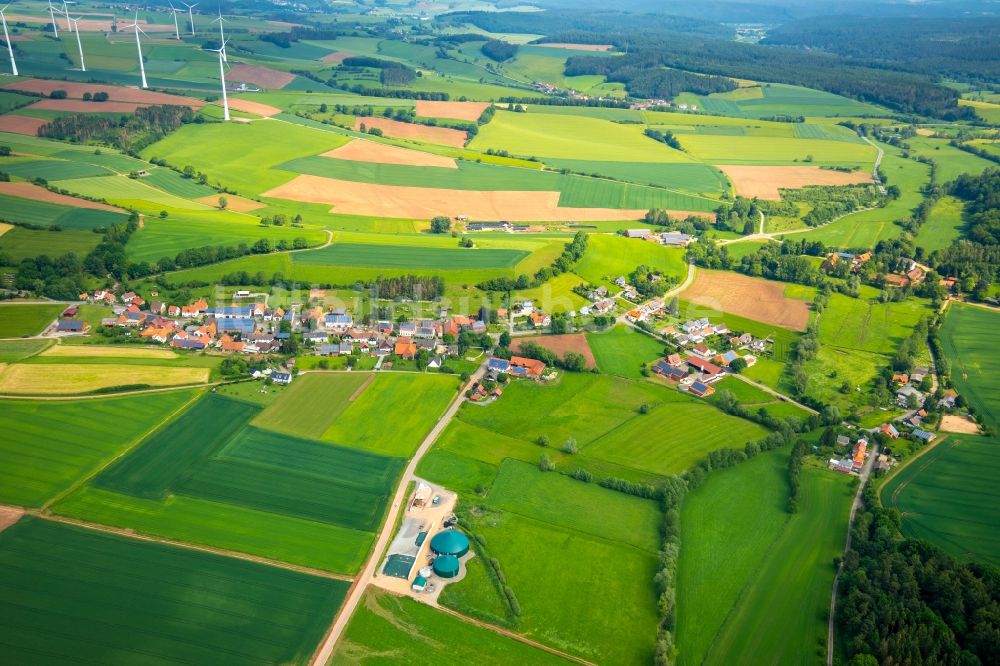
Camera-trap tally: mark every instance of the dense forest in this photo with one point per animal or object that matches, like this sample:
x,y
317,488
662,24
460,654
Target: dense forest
x,y
559,24
963,47
644,76
907,602
498,50
128,132
902,91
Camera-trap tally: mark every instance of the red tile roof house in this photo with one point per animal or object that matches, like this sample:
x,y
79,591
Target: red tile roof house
x,y
710,371
532,367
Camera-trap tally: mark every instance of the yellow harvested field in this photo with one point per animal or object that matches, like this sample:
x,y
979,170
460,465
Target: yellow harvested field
x,y
444,136
256,108
349,198
4,228
750,297
96,351
456,110
235,203
764,182
362,150
71,379
923,131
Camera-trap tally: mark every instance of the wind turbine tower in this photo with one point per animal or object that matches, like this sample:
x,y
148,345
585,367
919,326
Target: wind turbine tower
x,y
52,15
138,47
66,3
6,38
191,14
177,30
222,77
79,45
222,36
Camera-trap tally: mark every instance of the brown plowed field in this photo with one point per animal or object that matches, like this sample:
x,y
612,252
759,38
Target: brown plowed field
x,y
257,108
336,57
115,93
260,76
79,106
577,47
29,191
21,124
352,198
440,135
750,297
238,204
456,110
958,423
361,150
560,344
764,182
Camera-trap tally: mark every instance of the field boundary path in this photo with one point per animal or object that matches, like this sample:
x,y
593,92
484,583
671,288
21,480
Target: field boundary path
x,y
865,473
878,163
776,394
325,650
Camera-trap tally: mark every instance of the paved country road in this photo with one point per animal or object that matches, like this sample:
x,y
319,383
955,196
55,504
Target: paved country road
x,y
325,650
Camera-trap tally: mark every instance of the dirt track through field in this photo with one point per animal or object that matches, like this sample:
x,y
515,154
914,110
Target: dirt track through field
x,y
456,110
352,198
36,193
444,136
260,76
21,124
361,389
560,344
115,93
753,298
362,150
764,182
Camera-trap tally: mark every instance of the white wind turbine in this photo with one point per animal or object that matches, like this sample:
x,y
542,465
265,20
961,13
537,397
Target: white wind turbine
x,y
190,14
66,4
222,76
222,35
177,30
6,38
138,47
79,45
52,15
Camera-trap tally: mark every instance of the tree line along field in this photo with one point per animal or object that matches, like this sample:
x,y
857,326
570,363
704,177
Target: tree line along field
x,y
71,594
741,552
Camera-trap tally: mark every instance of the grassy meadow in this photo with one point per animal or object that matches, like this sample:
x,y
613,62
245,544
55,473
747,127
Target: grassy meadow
x,y
965,336
78,595
18,320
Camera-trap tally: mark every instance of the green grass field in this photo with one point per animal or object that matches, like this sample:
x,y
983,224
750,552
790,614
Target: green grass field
x,y
966,336
623,351
692,178
609,257
545,529
943,226
30,211
394,414
741,552
672,437
865,325
21,243
951,162
349,254
47,446
778,99
16,350
948,497
18,319
308,407
387,629
765,150
75,595
573,138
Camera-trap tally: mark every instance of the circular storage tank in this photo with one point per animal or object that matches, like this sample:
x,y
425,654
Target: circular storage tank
x,y
450,542
446,566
